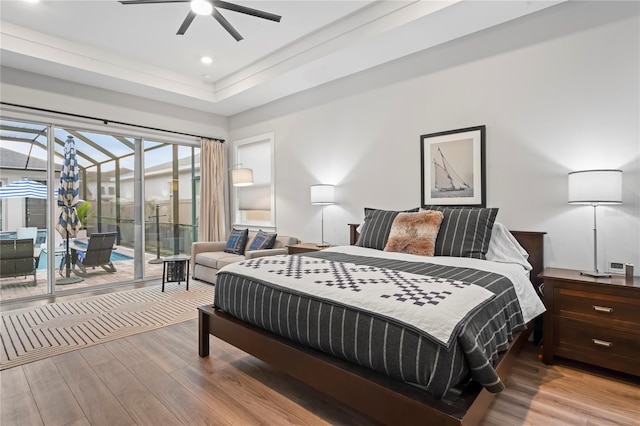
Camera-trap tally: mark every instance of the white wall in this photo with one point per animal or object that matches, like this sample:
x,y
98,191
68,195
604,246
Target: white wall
x,y
558,91
35,90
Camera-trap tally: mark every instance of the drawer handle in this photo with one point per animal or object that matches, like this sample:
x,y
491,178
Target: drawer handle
x,y
602,343
602,309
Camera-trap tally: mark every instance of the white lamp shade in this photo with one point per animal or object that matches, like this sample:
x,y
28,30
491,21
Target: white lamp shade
x,y
595,187
323,194
242,177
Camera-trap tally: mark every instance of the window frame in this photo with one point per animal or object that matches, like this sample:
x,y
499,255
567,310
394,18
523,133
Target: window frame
x,y
236,213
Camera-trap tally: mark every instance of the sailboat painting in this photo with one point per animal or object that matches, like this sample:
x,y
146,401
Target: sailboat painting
x,y
449,181
452,164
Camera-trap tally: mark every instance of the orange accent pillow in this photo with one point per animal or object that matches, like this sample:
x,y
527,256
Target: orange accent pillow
x,y
415,233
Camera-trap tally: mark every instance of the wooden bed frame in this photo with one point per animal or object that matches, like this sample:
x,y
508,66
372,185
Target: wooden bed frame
x,y
384,399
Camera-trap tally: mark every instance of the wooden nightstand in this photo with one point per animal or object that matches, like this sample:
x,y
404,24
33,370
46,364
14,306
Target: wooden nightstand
x,y
593,320
304,248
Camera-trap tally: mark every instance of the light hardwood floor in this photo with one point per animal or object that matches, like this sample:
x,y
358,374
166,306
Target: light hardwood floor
x,y
157,378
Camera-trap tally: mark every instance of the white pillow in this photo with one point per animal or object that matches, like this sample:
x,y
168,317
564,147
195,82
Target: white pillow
x,y
504,248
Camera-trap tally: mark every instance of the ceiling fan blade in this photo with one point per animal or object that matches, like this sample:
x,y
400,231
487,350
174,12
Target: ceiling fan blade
x,y
152,1
227,26
187,21
246,10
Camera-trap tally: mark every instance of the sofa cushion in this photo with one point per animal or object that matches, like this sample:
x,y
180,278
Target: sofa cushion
x,y
228,261
212,259
237,241
262,241
283,241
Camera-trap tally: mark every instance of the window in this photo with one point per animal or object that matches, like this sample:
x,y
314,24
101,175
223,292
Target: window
x,y
254,205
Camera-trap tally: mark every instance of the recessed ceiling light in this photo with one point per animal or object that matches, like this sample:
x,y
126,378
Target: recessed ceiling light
x,y
32,1
206,60
202,7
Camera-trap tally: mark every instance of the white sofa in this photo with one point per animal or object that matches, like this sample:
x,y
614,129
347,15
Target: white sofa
x,y
208,257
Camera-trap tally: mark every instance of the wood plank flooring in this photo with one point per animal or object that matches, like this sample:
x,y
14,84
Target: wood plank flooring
x,y
157,378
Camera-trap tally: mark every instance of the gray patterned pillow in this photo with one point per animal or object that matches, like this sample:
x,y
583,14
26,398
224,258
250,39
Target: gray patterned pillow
x,y
377,226
464,231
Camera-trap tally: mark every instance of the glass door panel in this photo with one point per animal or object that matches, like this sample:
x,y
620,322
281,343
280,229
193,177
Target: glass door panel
x,y
105,162
24,196
169,201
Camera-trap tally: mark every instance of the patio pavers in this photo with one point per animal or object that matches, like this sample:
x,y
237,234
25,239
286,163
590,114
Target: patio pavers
x,y
16,288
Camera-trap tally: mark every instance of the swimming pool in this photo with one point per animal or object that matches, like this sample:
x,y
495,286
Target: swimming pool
x,y
115,257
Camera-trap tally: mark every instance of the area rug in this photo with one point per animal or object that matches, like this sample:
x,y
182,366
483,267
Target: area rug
x,y
32,334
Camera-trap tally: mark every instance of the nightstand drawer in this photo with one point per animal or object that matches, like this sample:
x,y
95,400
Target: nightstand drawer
x,y
597,306
592,319
590,338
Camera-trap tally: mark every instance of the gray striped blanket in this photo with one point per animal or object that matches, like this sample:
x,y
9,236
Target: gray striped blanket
x,y
379,341
434,306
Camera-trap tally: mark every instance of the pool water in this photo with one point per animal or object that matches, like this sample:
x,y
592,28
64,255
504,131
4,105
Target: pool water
x,y
115,257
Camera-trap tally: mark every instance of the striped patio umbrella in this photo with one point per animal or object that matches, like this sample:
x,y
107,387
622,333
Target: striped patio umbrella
x,y
24,188
68,196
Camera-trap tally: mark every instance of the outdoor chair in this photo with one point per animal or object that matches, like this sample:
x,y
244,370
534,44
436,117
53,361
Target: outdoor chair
x,y
97,253
17,258
29,232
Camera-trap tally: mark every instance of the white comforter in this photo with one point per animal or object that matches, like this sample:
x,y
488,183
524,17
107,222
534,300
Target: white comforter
x,y
530,303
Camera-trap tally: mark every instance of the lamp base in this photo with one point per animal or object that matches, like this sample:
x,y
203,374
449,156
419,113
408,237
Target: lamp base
x,y
323,245
596,274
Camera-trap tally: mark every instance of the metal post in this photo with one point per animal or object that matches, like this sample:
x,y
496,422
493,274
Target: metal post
x,y
157,259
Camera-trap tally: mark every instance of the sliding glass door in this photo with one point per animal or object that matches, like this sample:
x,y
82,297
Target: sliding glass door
x,y
170,202
142,192
24,195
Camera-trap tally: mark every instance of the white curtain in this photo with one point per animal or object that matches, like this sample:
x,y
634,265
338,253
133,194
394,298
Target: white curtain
x,y
213,167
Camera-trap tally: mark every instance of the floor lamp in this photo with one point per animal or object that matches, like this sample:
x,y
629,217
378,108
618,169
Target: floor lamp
x,y
595,187
241,176
323,195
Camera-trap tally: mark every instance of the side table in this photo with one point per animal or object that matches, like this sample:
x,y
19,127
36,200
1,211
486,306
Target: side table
x,y
593,320
175,269
304,248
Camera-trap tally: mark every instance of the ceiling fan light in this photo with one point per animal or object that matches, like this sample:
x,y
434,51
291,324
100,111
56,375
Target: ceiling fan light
x,y
201,7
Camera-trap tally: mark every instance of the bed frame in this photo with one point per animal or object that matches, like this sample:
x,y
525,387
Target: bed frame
x,y
387,400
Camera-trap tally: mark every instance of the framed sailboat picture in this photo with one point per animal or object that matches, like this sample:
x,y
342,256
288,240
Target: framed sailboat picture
x,y
452,167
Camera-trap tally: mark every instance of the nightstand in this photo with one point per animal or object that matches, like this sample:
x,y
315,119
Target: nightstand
x,y
593,320
304,248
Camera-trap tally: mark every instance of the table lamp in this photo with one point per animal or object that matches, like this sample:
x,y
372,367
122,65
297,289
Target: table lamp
x,y
595,187
323,195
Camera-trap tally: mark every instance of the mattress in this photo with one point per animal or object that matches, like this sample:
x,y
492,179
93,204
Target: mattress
x,y
375,338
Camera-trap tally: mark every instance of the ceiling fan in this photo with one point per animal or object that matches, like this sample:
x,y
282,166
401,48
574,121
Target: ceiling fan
x,y
210,7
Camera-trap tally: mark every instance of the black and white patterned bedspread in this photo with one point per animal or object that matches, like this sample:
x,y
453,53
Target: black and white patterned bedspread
x,y
360,334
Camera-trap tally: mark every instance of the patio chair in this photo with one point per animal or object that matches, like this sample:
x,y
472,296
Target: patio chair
x,y
29,232
97,253
17,258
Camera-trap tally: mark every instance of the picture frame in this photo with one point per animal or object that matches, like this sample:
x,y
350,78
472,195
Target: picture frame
x,y
452,168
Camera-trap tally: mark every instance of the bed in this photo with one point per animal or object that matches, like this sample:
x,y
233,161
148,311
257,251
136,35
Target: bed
x,y
458,366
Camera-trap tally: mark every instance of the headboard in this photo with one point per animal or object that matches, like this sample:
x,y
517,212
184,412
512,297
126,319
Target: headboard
x,y
532,242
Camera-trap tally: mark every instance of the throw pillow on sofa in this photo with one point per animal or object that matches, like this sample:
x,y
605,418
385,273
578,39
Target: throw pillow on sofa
x,y
237,241
263,241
